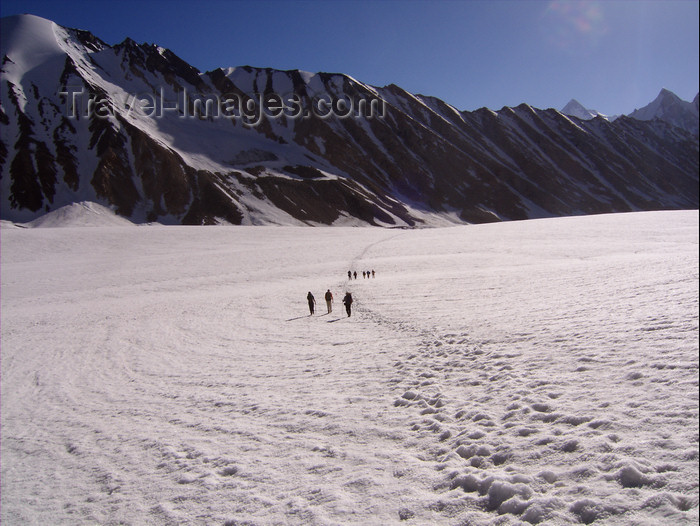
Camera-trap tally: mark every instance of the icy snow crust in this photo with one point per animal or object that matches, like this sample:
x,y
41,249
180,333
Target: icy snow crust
x,y
540,372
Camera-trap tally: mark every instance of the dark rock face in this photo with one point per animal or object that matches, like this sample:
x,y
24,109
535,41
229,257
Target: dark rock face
x,y
381,156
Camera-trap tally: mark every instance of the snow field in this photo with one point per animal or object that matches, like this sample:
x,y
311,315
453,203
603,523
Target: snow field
x,y
572,393
538,372
172,375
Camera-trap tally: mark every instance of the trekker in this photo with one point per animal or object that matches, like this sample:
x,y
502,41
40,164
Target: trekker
x,y
355,274
372,272
347,300
312,302
349,275
329,300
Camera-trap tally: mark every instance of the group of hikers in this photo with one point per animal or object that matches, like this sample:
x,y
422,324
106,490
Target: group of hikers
x,y
347,301
365,274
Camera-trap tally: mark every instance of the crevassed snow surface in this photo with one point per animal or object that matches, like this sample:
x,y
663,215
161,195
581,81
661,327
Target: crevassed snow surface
x,y
532,372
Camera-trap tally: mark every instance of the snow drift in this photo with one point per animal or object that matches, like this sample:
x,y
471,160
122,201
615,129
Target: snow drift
x,y
80,214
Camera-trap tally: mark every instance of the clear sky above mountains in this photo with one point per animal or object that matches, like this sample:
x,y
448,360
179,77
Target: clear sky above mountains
x,y
613,56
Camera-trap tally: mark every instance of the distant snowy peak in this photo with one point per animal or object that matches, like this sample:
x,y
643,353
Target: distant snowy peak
x,y
665,102
575,109
668,107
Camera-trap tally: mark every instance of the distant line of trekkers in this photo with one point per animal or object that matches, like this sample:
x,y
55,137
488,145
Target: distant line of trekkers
x,y
365,274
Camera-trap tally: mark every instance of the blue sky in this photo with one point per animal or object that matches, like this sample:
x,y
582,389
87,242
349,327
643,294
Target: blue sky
x,y
613,56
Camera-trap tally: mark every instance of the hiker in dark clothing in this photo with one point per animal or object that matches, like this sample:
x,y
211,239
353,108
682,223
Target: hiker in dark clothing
x,y
355,274
312,302
347,300
349,275
329,300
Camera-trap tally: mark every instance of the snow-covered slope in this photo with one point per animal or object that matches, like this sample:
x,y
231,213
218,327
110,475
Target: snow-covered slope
x,y
541,372
34,44
135,128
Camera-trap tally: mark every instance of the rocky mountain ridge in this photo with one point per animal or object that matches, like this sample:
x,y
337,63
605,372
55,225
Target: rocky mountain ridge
x,y
135,128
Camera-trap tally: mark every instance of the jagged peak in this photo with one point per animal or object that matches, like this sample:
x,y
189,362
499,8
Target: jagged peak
x,y
575,109
128,42
573,103
666,91
670,108
87,39
664,99
668,95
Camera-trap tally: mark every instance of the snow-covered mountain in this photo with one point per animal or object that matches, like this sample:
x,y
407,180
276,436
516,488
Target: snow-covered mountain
x,y
135,128
575,109
667,107
670,108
